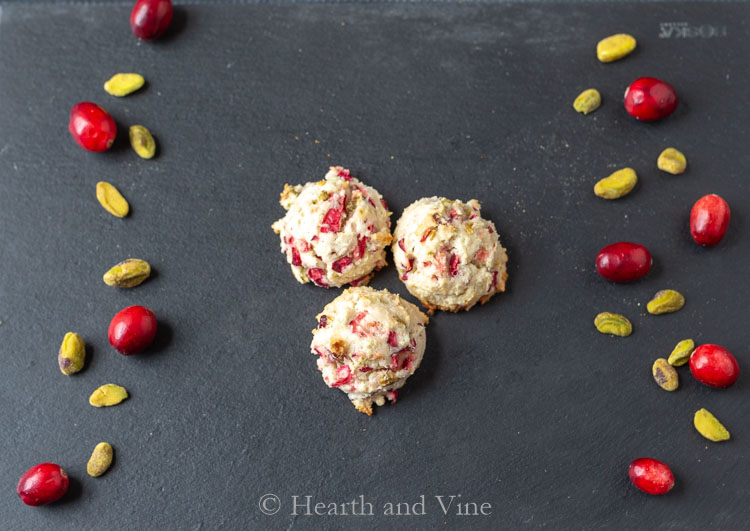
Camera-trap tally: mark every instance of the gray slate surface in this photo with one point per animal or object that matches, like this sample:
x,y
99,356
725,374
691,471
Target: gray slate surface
x,y
520,403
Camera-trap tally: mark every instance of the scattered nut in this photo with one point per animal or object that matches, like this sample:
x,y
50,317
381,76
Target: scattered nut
x,y
100,460
615,47
128,273
709,426
588,101
617,185
142,142
108,395
665,375
123,84
681,353
72,353
111,199
672,161
613,323
665,301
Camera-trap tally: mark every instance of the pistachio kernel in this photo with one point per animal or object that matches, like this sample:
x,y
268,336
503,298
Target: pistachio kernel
x,y
128,273
587,101
108,395
709,426
613,323
671,161
72,353
665,301
665,375
615,47
100,460
681,353
142,142
123,84
111,199
617,185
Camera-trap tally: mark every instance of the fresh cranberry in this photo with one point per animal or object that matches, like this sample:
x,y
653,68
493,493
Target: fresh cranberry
x,y
651,476
132,329
648,99
709,219
42,484
623,261
92,127
714,365
150,18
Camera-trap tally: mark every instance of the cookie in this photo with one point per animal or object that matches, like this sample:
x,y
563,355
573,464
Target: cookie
x,y
447,255
368,342
335,231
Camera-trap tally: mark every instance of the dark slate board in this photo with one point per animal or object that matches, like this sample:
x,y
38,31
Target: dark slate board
x,y
520,404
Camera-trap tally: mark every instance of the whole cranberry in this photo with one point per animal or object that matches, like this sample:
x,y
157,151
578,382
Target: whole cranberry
x,y
648,99
132,330
714,365
149,19
623,261
92,127
709,220
42,484
651,476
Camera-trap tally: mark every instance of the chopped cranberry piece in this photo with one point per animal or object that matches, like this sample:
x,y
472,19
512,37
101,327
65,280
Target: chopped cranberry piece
x,y
472,216
482,254
341,263
316,275
401,244
371,201
323,321
385,205
407,363
304,246
319,352
332,221
296,260
346,175
490,229
365,369
394,362
453,214
356,282
494,280
361,246
344,376
314,238
392,339
405,276
426,235
455,260
392,396
413,344
408,267
355,324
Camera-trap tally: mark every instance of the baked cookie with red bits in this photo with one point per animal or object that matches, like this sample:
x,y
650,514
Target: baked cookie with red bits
x,y
447,255
368,342
335,231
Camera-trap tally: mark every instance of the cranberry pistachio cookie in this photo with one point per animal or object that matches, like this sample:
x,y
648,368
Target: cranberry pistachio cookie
x,y
447,255
335,231
368,342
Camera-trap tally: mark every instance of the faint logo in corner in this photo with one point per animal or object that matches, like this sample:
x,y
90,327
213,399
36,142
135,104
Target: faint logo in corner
x,y
683,30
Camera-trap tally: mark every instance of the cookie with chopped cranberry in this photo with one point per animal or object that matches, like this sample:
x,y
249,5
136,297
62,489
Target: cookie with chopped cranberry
x,y
447,255
368,342
335,231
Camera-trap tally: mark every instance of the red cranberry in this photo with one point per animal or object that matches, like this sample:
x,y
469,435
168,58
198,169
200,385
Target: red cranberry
x,y
132,329
714,365
42,484
651,476
709,219
150,18
648,99
623,261
92,127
